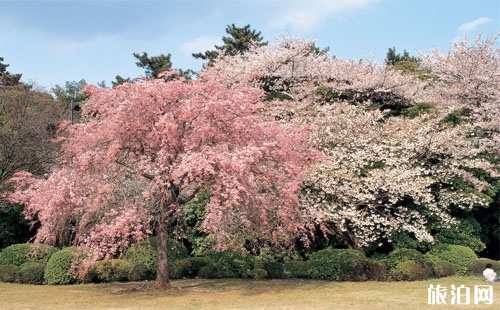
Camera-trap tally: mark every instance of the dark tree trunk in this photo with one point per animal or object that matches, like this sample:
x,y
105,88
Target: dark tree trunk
x,y
167,207
162,276
347,238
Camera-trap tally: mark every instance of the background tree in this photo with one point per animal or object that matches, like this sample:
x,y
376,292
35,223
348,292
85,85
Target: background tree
x,y
120,80
239,41
28,123
393,59
7,79
396,163
407,64
171,138
70,98
153,66
469,83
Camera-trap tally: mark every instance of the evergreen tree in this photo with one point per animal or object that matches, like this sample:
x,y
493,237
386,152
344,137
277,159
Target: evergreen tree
x,y
154,65
393,59
7,79
239,41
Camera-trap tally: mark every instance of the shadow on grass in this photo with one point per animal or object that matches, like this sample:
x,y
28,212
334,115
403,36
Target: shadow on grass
x,y
246,287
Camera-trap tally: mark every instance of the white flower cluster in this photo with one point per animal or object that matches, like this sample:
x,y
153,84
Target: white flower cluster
x,y
381,172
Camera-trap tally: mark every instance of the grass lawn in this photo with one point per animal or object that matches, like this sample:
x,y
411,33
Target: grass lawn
x,y
242,294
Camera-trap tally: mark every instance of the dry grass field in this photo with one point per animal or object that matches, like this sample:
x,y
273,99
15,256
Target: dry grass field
x,y
242,294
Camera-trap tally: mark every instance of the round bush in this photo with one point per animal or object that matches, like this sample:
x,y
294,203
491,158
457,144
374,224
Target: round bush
x,y
208,271
15,254
179,269
460,256
296,269
58,267
30,273
8,273
477,266
18,254
447,269
411,271
112,270
375,271
337,264
197,263
139,272
440,268
275,270
401,255
258,273
232,265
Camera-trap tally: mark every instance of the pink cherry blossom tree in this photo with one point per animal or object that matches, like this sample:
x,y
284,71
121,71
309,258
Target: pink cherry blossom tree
x,y
147,147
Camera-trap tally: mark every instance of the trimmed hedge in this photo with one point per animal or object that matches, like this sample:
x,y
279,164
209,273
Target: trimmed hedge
x,y
197,263
440,268
477,266
112,270
139,272
446,269
30,273
275,270
337,264
401,255
258,273
228,264
8,273
411,270
58,267
18,254
459,255
208,271
375,271
296,269
182,268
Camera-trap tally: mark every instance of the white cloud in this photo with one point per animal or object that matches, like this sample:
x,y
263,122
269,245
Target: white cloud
x,y
306,15
471,26
200,44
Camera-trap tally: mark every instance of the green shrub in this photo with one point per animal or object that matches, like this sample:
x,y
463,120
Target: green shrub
x,y
139,272
375,271
181,268
8,273
58,267
208,271
411,270
447,269
477,266
112,270
229,264
440,268
258,273
460,256
30,273
197,263
296,269
275,270
18,254
337,264
401,255
145,252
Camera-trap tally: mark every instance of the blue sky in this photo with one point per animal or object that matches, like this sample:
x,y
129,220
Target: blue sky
x,y
54,41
